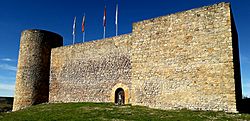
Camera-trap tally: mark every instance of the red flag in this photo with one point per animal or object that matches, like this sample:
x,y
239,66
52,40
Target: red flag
x,y
83,23
104,17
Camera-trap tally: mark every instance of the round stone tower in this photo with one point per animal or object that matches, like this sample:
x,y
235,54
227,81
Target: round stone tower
x,y
32,78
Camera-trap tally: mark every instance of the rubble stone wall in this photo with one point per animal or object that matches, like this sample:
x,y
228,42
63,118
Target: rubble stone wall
x,y
87,72
182,60
185,60
32,78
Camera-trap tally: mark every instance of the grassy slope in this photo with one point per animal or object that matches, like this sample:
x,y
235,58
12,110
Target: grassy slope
x,y
108,112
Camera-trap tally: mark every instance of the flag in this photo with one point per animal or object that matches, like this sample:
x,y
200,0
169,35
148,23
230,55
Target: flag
x,y
104,17
116,20
83,23
74,27
83,28
116,15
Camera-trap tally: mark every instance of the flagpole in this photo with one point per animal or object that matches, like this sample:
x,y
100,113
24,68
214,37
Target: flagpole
x,y
116,30
83,37
104,32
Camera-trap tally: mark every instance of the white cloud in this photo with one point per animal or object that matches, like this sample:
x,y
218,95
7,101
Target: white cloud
x,y
6,93
7,59
246,89
246,93
8,67
246,85
244,59
10,87
7,86
7,78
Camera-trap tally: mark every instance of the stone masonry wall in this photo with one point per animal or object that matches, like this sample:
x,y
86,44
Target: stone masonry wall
x,y
185,60
88,72
32,78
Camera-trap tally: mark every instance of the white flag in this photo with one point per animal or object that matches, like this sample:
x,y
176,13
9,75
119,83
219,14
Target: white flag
x,y
116,15
74,27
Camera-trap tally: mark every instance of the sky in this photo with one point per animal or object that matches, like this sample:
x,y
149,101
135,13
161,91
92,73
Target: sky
x,y
57,16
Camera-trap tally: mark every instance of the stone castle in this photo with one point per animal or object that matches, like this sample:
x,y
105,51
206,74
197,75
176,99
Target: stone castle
x,y
187,60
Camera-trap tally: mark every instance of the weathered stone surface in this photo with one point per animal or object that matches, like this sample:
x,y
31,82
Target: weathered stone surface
x,y
88,72
183,60
32,79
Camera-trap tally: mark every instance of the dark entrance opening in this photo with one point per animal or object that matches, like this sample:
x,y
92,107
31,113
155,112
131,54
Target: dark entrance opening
x,y
119,96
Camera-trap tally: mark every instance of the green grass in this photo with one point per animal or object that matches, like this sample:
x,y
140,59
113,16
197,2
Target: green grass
x,y
110,112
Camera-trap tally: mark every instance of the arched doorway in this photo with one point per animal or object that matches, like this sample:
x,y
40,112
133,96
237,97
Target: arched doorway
x,y
125,90
119,96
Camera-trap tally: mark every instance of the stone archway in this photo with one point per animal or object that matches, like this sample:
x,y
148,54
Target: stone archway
x,y
119,96
124,88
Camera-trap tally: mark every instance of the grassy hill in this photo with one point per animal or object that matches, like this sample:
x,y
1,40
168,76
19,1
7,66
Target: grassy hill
x,y
110,112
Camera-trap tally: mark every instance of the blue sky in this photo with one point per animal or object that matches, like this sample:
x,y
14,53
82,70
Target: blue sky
x,y
57,16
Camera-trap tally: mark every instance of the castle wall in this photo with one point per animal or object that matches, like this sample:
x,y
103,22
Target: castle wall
x,y
185,60
89,72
